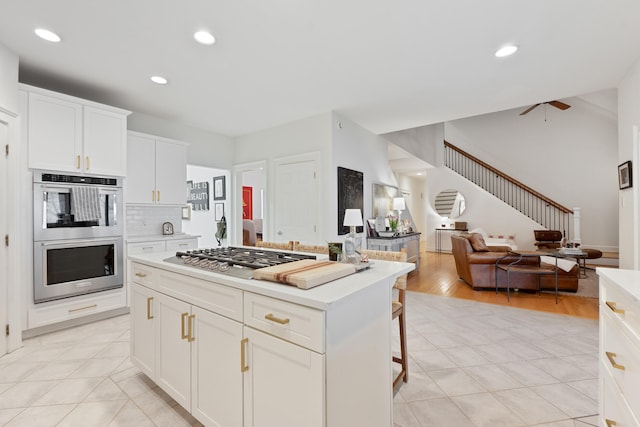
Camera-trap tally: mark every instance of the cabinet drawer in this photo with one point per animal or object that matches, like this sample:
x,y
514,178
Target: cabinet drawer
x,y
621,359
145,247
142,274
614,406
182,245
220,299
613,297
300,325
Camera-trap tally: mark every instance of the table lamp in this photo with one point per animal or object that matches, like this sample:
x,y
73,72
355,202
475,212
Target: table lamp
x,y
352,219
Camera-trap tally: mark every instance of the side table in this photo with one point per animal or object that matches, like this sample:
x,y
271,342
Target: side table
x,y
514,268
409,241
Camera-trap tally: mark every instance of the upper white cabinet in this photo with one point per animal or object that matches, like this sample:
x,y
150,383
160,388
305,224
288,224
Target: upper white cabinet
x,y
156,171
70,134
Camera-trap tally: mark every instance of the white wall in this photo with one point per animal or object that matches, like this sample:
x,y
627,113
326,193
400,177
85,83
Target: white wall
x,y
356,148
304,136
482,210
423,142
628,147
416,202
8,80
203,222
205,148
571,158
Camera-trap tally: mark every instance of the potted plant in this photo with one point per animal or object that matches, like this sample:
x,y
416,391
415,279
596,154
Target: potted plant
x,y
335,248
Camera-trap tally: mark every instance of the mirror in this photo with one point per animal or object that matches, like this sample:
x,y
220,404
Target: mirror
x,y
450,204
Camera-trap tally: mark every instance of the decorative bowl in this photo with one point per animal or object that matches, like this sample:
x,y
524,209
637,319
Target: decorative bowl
x,y
386,233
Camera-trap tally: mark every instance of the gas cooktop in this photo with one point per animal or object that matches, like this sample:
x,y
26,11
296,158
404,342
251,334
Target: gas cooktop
x,y
235,261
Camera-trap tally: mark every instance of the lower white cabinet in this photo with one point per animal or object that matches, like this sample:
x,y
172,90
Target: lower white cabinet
x,y
143,329
619,347
283,383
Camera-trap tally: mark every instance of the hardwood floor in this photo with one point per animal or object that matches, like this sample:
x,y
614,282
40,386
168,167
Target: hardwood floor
x,y
437,275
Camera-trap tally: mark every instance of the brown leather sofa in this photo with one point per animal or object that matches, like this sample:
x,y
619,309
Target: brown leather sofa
x,y
477,267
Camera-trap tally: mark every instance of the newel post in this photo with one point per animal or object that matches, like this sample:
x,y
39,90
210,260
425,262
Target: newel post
x,y
576,225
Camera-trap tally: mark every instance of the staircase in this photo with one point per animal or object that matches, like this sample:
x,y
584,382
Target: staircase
x,y
546,212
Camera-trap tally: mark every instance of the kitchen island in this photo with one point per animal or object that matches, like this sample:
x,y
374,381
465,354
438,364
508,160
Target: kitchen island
x,y
244,352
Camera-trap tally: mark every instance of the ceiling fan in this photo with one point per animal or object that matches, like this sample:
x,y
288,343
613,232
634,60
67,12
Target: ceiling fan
x,y
561,105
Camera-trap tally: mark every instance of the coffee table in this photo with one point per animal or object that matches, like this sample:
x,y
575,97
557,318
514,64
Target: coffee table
x,y
515,268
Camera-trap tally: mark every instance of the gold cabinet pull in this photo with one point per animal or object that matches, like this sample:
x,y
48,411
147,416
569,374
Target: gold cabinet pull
x,y
612,306
141,274
78,161
149,315
153,195
243,363
182,332
158,196
611,356
190,337
86,163
610,423
273,318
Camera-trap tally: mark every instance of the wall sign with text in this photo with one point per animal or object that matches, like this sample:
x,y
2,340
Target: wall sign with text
x,y
198,195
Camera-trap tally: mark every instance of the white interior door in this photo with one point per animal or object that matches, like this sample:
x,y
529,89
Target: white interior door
x,y
4,296
296,200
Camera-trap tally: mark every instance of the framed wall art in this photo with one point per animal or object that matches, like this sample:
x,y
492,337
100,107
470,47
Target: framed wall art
x,y
350,196
219,188
219,211
624,175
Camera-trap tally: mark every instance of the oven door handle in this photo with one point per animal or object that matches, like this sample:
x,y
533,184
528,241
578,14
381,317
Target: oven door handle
x,y
76,241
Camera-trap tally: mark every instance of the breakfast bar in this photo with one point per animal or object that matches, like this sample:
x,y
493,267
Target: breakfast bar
x,y
236,351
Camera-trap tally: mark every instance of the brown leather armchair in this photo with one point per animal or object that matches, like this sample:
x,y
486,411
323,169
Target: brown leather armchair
x,y
547,239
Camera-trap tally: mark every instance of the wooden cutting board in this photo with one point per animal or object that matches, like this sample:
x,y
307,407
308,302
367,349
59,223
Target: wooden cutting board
x,y
306,273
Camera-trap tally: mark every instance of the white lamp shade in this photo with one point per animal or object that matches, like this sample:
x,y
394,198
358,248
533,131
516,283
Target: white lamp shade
x,y
352,218
398,204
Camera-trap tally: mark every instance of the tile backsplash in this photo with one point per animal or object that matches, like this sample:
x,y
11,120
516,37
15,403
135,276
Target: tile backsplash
x,y
147,220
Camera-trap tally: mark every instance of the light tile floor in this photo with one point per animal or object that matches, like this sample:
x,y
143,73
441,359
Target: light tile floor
x,y
471,364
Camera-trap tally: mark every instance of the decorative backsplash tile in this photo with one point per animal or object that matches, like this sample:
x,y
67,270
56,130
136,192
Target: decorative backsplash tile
x,y
148,220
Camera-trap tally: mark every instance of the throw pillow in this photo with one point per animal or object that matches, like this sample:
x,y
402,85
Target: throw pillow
x,y
477,243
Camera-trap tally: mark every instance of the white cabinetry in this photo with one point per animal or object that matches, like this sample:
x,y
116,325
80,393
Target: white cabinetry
x,y
619,347
157,170
259,359
162,245
69,134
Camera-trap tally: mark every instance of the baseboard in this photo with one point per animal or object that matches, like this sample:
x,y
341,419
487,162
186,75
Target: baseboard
x,y
41,330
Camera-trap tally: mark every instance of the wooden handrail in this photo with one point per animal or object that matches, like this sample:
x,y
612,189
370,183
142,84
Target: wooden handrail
x,y
509,179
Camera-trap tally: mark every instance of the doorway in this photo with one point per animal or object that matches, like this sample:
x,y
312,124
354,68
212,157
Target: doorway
x,y
250,201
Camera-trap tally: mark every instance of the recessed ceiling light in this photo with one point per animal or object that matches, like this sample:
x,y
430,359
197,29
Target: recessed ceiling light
x,y
47,35
419,173
204,37
506,51
159,80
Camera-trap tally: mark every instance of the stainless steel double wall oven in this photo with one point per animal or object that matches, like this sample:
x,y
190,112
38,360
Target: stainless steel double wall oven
x,y
78,235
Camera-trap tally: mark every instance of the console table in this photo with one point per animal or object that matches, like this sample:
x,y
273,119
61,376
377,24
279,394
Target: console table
x,y
409,241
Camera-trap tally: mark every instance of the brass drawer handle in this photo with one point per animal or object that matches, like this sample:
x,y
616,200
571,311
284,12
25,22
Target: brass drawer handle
x,y
610,423
86,166
158,196
153,195
149,315
611,356
243,356
190,337
184,336
612,306
78,161
273,318
141,274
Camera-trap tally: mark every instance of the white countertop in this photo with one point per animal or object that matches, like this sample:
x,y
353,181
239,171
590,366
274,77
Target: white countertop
x,y
629,280
320,297
155,237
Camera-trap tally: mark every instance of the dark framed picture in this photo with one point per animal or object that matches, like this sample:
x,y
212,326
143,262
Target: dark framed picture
x,y
624,175
219,211
219,188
